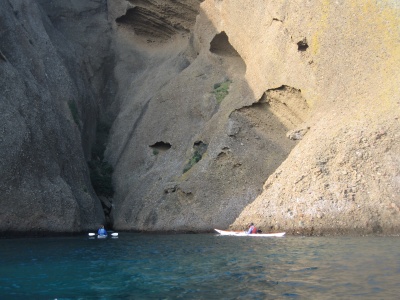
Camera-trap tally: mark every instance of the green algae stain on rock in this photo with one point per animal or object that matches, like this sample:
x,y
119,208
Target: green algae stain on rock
x,y
199,149
221,90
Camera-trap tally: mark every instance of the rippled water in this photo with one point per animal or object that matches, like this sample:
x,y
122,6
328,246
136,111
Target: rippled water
x,y
200,266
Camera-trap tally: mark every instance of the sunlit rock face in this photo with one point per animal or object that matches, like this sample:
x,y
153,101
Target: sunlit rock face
x,y
284,114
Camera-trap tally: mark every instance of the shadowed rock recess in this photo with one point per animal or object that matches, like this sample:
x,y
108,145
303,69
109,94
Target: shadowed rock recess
x,y
49,100
158,21
155,115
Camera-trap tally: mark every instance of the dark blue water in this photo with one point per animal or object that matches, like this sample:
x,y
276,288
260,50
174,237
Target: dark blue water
x,y
200,266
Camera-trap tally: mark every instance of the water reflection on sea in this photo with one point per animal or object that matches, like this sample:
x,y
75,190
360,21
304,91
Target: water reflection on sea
x,y
200,266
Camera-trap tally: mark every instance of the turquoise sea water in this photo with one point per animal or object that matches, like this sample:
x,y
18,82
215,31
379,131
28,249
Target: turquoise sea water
x,y
200,266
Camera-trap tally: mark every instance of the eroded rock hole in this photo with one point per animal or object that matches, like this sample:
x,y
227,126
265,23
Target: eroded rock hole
x,y
288,105
160,147
258,133
220,45
199,148
302,45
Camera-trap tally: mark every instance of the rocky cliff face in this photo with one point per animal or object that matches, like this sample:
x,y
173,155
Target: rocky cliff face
x,y
190,128
343,176
301,95
48,116
223,112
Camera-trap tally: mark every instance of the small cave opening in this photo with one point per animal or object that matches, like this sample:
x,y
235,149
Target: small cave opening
x,y
199,148
128,18
160,147
302,45
288,105
260,131
220,45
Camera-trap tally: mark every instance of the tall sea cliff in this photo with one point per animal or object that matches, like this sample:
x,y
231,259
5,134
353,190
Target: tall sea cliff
x,y
192,115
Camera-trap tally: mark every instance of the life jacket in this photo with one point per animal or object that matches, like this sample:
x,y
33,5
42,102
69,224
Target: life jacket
x,y
254,230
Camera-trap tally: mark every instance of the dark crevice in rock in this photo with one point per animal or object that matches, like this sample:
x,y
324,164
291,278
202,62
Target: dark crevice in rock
x,y
199,145
221,155
302,45
2,56
228,56
160,147
101,171
199,148
220,45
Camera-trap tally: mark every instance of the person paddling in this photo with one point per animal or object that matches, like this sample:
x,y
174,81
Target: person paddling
x,y
102,231
252,229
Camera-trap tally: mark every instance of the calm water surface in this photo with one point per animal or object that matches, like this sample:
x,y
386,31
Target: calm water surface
x,y
200,266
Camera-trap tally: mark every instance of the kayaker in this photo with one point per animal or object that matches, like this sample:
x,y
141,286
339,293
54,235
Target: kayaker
x,y
102,231
252,229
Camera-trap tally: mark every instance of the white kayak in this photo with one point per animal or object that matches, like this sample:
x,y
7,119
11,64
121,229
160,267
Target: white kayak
x,y
242,233
113,234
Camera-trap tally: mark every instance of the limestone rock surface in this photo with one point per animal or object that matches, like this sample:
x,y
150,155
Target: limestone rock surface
x,y
48,111
280,113
223,112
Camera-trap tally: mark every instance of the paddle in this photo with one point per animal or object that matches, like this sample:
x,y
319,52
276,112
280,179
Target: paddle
x,y
112,234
